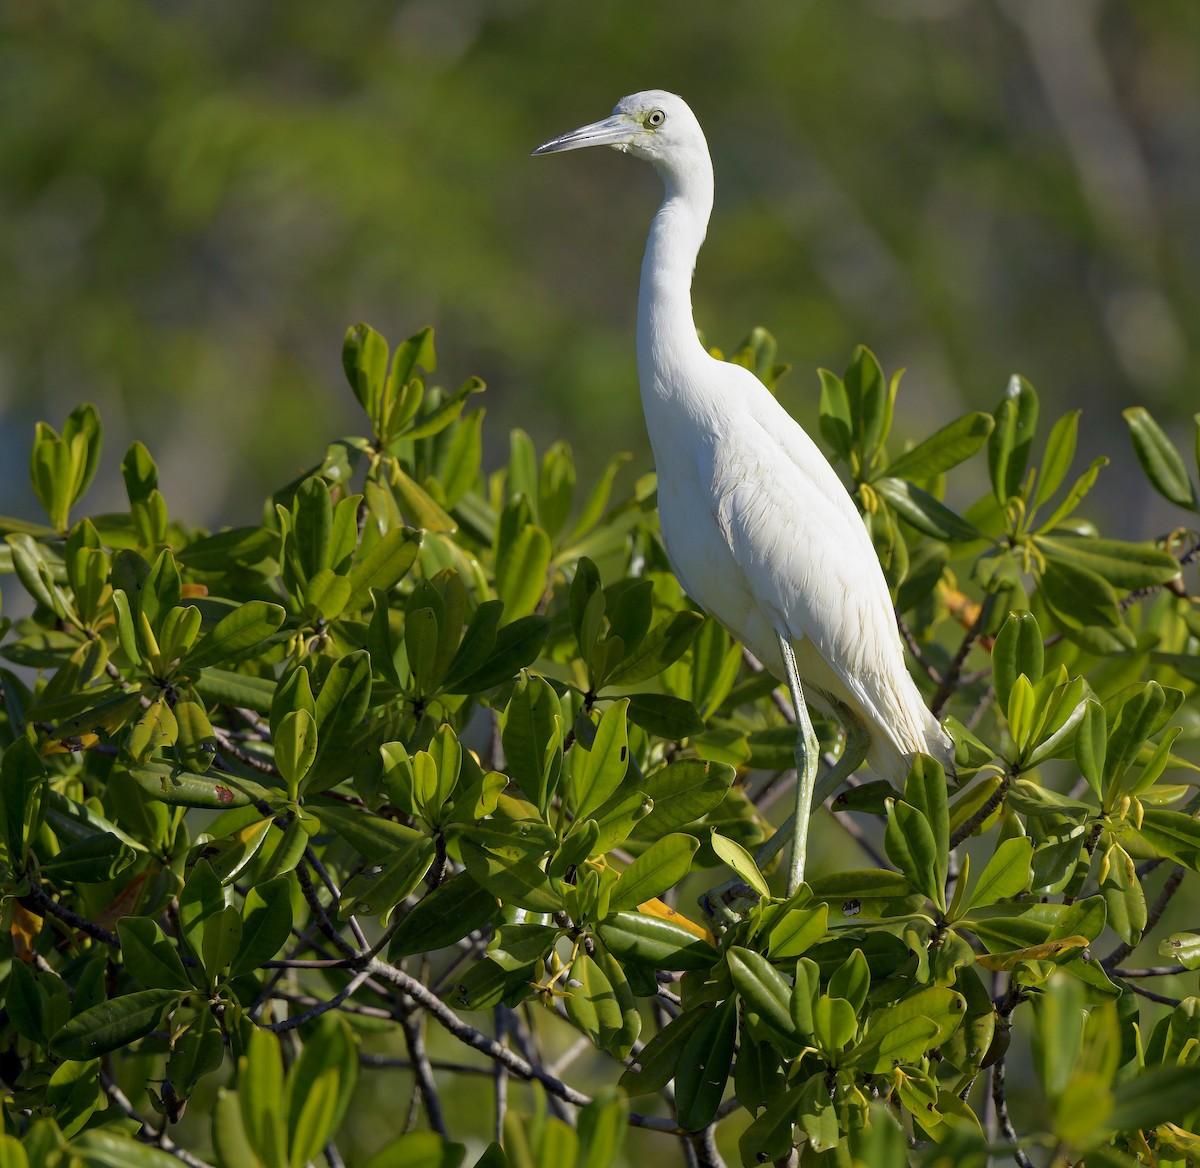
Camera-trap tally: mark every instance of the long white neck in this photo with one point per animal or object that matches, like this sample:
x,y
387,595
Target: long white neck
x,y
666,333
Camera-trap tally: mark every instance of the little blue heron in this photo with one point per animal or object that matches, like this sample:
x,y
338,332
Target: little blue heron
x,y
757,525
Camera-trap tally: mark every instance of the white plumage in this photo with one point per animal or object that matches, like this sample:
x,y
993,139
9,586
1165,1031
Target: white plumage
x,y
757,525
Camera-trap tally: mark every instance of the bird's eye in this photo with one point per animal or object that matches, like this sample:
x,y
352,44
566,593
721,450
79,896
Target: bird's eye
x,y
655,118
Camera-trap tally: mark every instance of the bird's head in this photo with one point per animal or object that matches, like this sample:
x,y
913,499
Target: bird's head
x,y
654,125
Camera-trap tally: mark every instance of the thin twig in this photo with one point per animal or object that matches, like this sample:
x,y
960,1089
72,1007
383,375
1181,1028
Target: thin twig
x,y
1162,999
471,1037
915,649
951,677
321,1007
704,1145
993,801
43,900
336,893
414,1039
1150,971
323,921
1006,1128
146,1134
500,1074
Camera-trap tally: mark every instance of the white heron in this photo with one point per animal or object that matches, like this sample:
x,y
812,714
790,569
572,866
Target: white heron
x,y
757,525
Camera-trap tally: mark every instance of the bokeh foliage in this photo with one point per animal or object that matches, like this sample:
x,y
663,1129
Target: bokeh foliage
x,y
190,198
423,772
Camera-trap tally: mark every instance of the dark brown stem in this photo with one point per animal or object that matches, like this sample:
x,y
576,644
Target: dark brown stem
x,y
914,648
954,672
993,801
414,1039
1000,1100
40,899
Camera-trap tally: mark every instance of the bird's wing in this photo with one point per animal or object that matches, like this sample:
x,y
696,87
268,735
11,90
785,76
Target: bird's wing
x,y
806,556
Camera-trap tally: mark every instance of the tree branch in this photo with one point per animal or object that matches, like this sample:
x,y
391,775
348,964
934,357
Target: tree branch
x,y
146,1134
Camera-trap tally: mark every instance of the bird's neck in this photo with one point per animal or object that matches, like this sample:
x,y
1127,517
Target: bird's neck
x,y
667,341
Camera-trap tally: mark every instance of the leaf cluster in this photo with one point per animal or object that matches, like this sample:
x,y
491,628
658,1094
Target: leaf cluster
x,y
431,745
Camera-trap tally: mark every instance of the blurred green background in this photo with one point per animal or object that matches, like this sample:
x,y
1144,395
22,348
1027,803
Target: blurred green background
x,y
196,200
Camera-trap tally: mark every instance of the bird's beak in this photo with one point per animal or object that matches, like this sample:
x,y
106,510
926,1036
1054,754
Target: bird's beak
x,y
617,130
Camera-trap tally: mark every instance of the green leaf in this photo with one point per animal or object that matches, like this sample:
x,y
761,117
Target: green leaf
x,y
522,565
371,836
532,737
952,444
834,418
764,993
596,772
378,889
1017,650
320,1084
237,635
703,1067
662,1056
594,508
453,909
834,1025
602,1125
908,1028
683,791
1060,453
1079,489
341,706
661,866
180,789
383,566
1078,597
222,937
1172,834
1007,873
1124,565
364,358
1008,448
261,1095
663,645
112,1024
1160,460
665,716
423,1149
266,924
1141,716
924,512
517,645
867,393
732,853
652,941
591,1004
1158,1095
1183,948
149,956
295,747
518,882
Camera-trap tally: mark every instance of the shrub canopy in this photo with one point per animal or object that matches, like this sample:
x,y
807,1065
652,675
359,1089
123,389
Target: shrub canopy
x,y
421,775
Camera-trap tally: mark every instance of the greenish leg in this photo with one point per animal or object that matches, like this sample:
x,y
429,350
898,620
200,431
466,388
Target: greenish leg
x,y
808,752
854,753
721,903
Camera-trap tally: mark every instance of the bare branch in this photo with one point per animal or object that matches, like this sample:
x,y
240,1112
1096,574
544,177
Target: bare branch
x,y
321,1007
414,1039
146,1134
41,899
1000,1100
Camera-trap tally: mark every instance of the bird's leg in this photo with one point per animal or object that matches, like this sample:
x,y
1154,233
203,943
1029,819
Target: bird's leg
x,y
854,753
808,751
720,902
